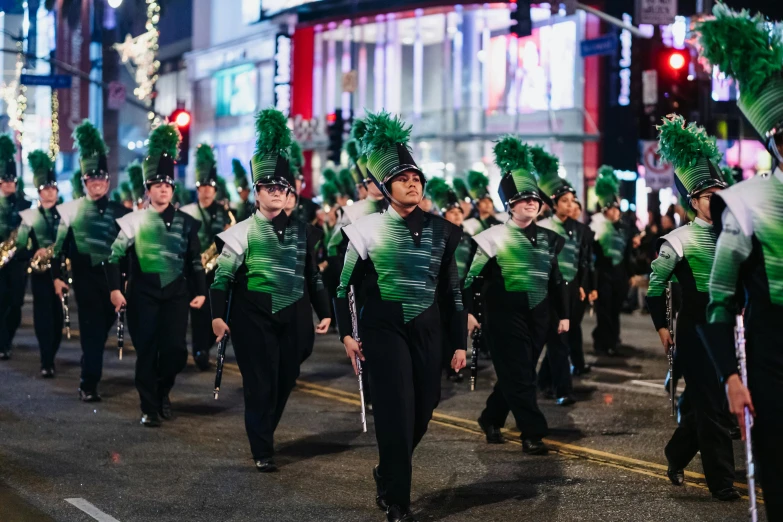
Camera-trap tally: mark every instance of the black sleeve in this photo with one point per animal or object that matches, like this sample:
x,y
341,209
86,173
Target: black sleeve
x,y
319,298
193,259
450,294
558,287
113,275
59,261
353,274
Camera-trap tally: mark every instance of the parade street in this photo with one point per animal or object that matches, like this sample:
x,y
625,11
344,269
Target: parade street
x,y
64,460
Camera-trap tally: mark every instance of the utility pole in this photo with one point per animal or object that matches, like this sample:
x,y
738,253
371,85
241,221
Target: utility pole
x,y
107,25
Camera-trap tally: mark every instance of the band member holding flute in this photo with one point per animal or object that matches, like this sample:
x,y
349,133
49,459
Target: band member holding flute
x,y
268,258
214,218
687,255
403,261
87,229
747,271
163,248
39,226
518,262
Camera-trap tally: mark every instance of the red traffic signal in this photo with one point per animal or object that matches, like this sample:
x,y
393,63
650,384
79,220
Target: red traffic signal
x,y
181,118
677,61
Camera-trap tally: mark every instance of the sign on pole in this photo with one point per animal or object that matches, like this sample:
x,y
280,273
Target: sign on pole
x,y
55,81
656,12
350,81
657,174
650,87
117,95
606,44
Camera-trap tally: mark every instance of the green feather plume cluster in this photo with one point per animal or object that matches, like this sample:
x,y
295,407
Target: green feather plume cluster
x,y
89,140
329,192
546,164
358,129
511,154
606,184
384,132
728,175
240,174
125,191
352,149
164,139
205,157
461,189
683,145
296,156
221,192
438,191
39,161
116,196
329,175
347,182
478,183
136,176
747,48
77,187
7,148
273,134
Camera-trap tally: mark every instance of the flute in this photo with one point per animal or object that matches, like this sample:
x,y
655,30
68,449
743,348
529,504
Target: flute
x,y
355,327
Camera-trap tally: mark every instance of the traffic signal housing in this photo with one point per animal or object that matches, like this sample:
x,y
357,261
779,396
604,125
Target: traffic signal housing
x,y
677,85
335,130
182,119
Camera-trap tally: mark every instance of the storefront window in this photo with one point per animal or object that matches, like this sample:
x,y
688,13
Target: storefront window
x,y
236,91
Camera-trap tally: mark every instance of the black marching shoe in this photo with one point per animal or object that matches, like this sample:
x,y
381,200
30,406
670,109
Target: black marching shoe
x,y
727,495
202,360
47,373
492,432
576,372
676,476
380,490
534,447
396,514
566,400
266,465
165,406
89,396
150,420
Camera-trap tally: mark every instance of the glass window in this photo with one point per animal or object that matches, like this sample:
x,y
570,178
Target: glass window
x,y
236,91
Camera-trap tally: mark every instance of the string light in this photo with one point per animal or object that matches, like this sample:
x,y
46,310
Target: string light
x,y
142,52
54,139
14,95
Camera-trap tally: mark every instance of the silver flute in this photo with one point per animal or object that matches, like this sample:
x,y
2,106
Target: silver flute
x,y
355,327
66,315
739,346
670,354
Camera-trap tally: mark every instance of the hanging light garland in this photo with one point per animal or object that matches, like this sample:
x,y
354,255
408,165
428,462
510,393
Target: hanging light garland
x,y
142,52
14,95
54,138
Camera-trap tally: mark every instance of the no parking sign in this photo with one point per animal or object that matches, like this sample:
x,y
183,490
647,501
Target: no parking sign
x,y
657,174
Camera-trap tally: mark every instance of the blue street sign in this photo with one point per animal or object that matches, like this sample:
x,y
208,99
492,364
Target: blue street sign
x,y
55,81
598,46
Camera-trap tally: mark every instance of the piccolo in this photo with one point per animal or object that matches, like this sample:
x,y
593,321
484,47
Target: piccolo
x,y
355,327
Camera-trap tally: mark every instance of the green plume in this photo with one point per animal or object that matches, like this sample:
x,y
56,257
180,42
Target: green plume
x,y
89,140
7,148
39,161
606,184
384,132
329,192
77,187
352,149
438,191
728,175
329,175
116,196
222,193
478,183
240,174
273,134
347,182
461,189
683,145
545,163
747,48
296,155
358,129
511,154
136,176
205,157
125,191
164,139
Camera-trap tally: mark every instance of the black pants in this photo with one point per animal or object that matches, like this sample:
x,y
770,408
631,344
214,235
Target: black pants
x,y
13,281
96,317
765,380
158,322
702,425
575,340
265,346
555,373
47,317
612,292
515,337
404,367
201,324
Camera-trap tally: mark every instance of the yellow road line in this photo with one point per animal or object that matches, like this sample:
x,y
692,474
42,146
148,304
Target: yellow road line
x,y
604,458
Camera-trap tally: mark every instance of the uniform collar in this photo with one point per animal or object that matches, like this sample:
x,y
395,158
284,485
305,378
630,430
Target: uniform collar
x,y
529,231
699,221
279,222
414,221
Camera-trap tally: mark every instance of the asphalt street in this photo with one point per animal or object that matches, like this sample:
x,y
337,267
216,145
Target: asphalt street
x,y
64,460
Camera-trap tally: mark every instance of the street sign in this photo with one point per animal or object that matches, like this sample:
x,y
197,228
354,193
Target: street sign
x,y
656,12
598,46
117,95
657,174
350,81
650,87
55,81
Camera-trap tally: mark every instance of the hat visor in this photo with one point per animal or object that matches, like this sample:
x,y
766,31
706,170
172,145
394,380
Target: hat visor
x,y
155,181
47,184
94,174
528,194
272,180
707,184
562,191
210,183
401,169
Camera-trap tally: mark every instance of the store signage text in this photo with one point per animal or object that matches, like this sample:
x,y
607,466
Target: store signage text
x,y
624,98
283,73
656,12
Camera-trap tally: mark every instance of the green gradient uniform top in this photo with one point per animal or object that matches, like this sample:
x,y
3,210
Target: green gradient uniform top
x,y
612,239
92,223
214,220
39,225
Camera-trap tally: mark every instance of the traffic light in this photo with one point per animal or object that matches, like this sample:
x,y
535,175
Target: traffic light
x,y
524,24
182,119
678,90
335,130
